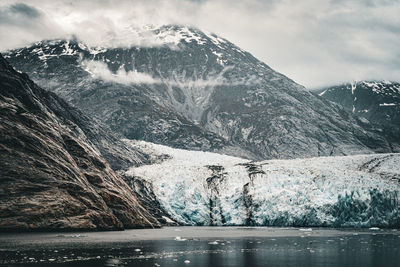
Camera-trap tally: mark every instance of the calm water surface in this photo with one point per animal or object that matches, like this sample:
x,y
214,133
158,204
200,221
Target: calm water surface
x,y
204,246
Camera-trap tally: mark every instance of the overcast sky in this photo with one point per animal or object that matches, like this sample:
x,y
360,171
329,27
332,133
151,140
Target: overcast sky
x,y
314,42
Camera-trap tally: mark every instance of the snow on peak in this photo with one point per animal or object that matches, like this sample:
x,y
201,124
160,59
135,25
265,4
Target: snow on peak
x,y
353,87
68,51
142,36
174,35
382,87
377,87
152,36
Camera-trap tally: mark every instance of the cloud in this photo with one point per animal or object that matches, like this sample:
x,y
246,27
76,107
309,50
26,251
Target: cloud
x,y
25,10
314,42
100,70
22,24
18,14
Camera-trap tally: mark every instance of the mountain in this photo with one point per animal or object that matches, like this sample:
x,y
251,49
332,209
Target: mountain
x,y
376,101
373,100
203,188
53,174
194,90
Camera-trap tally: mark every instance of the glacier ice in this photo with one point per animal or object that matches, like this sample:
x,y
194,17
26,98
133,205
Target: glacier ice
x,y
203,188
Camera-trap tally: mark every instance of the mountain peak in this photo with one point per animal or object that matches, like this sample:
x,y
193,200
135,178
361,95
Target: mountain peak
x,y
376,101
147,36
195,90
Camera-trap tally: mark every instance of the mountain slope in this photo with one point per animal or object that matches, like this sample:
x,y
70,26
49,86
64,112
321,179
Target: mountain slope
x,y
52,176
203,188
197,91
378,102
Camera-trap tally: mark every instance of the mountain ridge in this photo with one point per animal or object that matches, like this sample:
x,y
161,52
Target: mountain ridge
x,y
376,102
203,93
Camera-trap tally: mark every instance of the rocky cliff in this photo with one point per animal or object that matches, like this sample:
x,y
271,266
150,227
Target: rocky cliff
x,y
52,176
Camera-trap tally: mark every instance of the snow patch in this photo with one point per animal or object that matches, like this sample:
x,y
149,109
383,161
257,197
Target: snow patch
x,y
215,39
387,104
246,132
217,54
353,87
173,35
68,51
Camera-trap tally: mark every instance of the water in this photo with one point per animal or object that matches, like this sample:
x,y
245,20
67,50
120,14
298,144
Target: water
x,y
204,246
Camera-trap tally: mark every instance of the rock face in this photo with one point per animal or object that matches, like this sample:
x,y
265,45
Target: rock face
x,y
377,101
52,176
374,100
203,188
195,90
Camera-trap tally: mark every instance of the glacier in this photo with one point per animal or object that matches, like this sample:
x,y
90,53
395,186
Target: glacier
x,y
204,188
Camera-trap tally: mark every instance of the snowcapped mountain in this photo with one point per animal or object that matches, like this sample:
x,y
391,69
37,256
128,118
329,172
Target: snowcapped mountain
x,y
376,101
203,188
53,172
195,90
55,176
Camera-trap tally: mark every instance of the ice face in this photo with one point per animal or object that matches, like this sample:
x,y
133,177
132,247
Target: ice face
x,y
202,188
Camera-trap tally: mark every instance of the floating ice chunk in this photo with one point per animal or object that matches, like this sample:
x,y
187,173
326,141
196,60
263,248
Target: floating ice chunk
x,y
213,243
374,228
137,250
187,261
113,262
168,220
178,238
78,236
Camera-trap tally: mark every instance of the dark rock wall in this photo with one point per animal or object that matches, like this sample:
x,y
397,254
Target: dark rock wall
x,y
51,175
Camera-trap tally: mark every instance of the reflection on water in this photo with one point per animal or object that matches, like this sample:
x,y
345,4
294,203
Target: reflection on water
x,y
303,250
